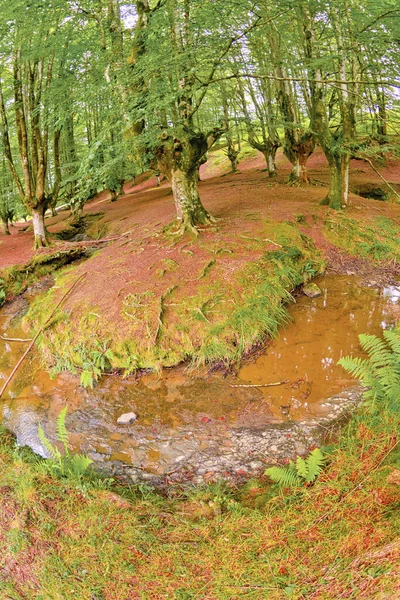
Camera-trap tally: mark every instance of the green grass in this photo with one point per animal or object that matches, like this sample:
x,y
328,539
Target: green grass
x,y
378,239
87,539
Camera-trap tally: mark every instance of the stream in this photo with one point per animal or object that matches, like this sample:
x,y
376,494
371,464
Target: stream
x,y
201,427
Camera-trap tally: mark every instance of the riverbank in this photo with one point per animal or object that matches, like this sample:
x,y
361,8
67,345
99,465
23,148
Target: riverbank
x,y
148,300
63,538
195,426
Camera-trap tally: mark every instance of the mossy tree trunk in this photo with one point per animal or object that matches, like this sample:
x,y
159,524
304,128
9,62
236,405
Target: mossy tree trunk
x,y
335,143
231,151
267,140
179,158
299,143
190,211
33,135
337,156
298,149
6,228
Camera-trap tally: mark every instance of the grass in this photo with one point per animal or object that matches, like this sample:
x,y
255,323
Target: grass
x,y
217,315
89,539
378,239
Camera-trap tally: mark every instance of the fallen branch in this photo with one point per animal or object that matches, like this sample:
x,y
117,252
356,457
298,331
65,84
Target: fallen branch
x,y
29,348
258,385
6,339
381,176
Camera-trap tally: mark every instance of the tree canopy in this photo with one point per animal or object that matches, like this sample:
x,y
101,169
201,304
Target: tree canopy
x,y
94,92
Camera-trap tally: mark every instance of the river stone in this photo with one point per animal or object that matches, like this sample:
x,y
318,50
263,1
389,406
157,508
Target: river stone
x,y
312,290
127,418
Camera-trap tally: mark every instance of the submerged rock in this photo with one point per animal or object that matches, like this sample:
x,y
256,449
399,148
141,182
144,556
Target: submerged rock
x,y
312,290
127,418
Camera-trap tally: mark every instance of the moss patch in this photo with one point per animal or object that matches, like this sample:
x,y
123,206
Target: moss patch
x,y
14,280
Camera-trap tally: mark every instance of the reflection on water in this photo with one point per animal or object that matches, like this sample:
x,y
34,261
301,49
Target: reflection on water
x,y
179,415
322,331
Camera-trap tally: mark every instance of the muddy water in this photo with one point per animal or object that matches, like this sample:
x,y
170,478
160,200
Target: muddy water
x,y
322,331
206,423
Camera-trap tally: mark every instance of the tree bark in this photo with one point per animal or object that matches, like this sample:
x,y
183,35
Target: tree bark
x,y
190,211
39,229
179,160
6,228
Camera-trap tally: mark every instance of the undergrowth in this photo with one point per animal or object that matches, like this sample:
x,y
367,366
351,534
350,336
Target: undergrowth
x,y
63,462
378,239
97,540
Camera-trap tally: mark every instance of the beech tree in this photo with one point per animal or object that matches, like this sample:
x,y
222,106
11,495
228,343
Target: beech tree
x,y
92,92
185,44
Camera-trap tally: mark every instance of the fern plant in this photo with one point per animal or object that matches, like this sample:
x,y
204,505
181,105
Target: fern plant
x,y
299,472
94,363
380,372
65,464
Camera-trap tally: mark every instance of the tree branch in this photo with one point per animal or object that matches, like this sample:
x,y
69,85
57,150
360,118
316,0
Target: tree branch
x,y
395,84
382,16
229,45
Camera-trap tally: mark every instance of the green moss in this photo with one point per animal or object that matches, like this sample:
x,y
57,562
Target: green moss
x,y
16,279
214,317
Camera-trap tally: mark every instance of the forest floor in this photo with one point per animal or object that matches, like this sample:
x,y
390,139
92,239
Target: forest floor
x,y
89,539
154,300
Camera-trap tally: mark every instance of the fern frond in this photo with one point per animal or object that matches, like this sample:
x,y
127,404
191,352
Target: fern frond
x,y
358,367
301,467
392,338
376,348
284,476
52,450
62,433
78,464
315,463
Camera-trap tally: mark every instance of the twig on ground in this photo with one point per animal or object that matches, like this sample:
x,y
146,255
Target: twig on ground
x,y
258,385
379,174
25,354
6,339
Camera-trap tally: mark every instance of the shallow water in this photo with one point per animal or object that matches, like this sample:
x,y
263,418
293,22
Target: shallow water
x,y
322,331
180,416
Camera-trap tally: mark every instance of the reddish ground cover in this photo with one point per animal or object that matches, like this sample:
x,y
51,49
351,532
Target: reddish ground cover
x,y
225,195
241,202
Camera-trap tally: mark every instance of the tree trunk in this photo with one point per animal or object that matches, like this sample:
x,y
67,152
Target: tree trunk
x,y
299,173
233,156
270,162
189,209
381,117
337,196
39,229
6,229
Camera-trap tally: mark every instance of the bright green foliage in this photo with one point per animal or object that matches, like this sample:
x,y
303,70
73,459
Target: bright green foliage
x,y
380,372
65,464
299,472
94,363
